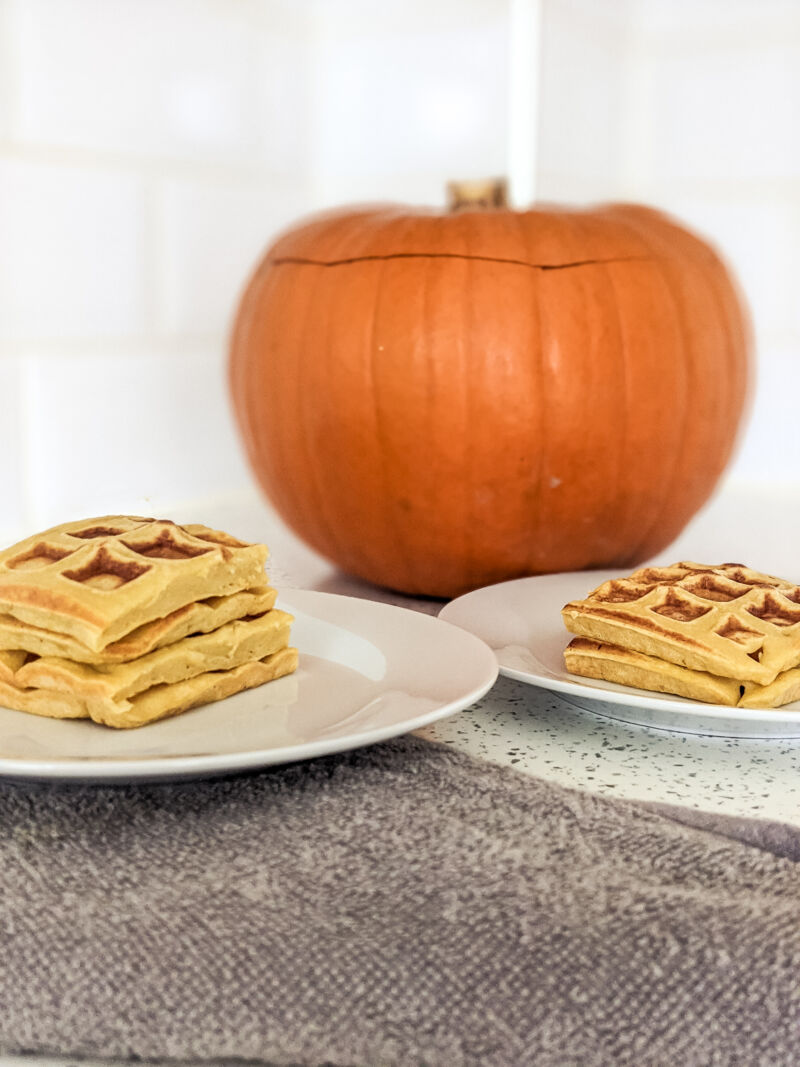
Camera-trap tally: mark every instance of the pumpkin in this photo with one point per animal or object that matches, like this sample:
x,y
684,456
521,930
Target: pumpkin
x,y
439,400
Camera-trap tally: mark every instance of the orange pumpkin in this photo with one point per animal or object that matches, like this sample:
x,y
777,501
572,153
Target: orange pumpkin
x,y
437,401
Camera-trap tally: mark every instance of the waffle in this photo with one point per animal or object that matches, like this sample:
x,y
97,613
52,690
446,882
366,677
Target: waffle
x,y
784,690
100,579
202,616
229,646
724,620
609,663
126,620
158,702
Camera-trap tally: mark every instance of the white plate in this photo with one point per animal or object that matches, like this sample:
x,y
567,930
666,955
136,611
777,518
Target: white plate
x,y
368,672
521,622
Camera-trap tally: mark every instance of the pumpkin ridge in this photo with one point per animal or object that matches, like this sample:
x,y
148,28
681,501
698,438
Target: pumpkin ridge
x,y
345,261
536,503
390,535
645,542
307,511
622,471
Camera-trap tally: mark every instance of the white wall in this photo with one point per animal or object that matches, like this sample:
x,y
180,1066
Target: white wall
x,y
714,136
586,51
149,149
406,96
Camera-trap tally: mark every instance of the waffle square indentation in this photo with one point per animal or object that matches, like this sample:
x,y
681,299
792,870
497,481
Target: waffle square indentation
x,y
91,532
714,587
41,555
733,629
106,571
622,593
679,607
777,610
166,545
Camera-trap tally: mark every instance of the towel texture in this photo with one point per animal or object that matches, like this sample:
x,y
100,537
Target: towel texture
x,y
402,904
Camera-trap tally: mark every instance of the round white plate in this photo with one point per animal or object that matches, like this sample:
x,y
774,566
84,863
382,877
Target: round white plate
x,y
368,671
521,621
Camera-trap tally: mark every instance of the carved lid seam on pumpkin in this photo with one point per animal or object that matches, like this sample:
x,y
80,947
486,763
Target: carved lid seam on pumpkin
x,y
303,260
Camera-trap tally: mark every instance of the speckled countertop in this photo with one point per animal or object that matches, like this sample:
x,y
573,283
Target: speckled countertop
x,y
541,734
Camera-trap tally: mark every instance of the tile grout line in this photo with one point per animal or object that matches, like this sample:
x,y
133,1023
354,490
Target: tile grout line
x,y
102,345
141,162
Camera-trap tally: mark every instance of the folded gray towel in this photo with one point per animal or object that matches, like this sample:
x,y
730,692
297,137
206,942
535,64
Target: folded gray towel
x,y
402,904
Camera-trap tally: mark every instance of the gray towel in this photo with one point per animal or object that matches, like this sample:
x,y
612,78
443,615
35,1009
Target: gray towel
x,y
398,905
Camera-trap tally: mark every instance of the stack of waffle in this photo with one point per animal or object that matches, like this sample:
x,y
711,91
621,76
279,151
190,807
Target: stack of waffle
x,y
721,634
126,620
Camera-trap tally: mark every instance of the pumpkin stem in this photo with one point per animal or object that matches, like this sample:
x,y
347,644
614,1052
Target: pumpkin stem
x,y
484,193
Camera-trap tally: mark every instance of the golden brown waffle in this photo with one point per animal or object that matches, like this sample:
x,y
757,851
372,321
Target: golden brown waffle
x,y
608,663
726,620
229,646
784,690
10,663
158,702
99,579
202,616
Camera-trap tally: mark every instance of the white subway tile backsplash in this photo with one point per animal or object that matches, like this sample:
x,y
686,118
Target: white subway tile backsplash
x,y
398,95
770,449
133,433
421,187
715,21
758,234
7,70
12,460
726,114
715,91
211,236
175,78
582,98
789,284
282,103
71,252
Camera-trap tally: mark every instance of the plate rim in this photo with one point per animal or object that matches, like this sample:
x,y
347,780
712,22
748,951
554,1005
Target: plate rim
x,y
152,768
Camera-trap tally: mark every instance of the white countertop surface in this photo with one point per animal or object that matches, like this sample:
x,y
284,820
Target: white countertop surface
x,y
539,733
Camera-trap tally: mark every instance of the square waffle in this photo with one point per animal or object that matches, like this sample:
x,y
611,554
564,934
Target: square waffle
x,y
125,620
229,646
726,620
201,616
609,663
157,702
99,579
